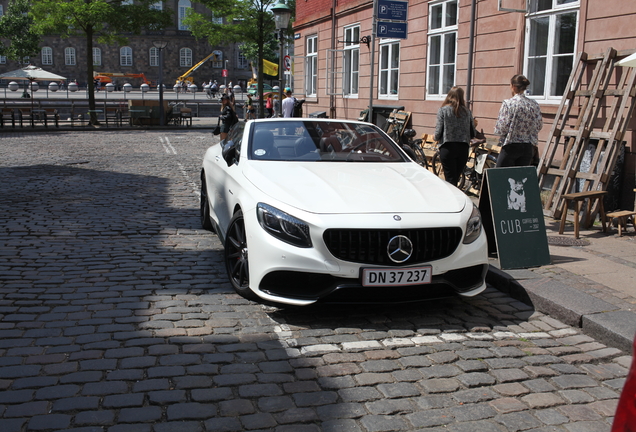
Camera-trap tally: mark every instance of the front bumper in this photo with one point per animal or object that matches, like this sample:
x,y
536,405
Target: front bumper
x,y
312,287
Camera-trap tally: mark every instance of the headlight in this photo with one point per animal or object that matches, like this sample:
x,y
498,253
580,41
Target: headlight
x,y
473,226
283,226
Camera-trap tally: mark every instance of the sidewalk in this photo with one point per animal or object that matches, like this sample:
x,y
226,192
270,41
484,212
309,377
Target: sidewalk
x,y
590,284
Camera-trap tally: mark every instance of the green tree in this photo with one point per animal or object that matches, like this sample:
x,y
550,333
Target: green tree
x,y
246,21
16,28
104,21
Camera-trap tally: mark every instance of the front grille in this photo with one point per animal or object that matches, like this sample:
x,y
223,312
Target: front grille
x,y
370,246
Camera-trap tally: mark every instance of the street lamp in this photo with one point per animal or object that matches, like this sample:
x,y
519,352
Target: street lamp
x,y
160,45
282,13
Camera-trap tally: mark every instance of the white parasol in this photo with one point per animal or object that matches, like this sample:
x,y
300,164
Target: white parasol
x,y
629,61
31,73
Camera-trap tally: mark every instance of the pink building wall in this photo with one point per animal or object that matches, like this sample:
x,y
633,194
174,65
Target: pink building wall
x,y
498,55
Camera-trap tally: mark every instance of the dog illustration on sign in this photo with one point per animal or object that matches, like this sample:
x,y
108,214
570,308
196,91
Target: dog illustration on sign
x,y
516,195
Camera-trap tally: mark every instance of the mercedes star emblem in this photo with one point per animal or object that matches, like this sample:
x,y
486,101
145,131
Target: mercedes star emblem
x,y
399,249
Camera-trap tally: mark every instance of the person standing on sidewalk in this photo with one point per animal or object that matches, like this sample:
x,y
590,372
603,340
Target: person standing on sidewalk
x,y
288,103
454,129
228,117
518,126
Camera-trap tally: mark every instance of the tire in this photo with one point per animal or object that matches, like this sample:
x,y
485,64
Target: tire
x,y
206,222
437,166
236,257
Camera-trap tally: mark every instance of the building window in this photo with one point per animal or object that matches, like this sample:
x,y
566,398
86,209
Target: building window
x,y
47,56
126,56
311,66
3,59
157,6
442,48
154,56
217,59
184,5
1,10
351,61
185,56
389,69
241,61
97,57
216,20
69,56
551,28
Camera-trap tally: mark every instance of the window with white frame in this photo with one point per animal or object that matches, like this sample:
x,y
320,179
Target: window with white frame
x,y
69,56
217,59
442,48
97,56
126,56
311,66
47,55
551,29
216,20
389,75
157,6
241,61
154,56
184,5
3,59
351,65
185,57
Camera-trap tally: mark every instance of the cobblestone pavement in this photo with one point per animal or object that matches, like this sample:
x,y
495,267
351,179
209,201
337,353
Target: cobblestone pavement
x,y
116,315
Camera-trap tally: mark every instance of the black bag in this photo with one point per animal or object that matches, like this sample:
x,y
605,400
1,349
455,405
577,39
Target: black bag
x,y
217,129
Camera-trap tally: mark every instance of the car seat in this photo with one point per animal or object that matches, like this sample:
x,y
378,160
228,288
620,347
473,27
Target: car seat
x,y
263,146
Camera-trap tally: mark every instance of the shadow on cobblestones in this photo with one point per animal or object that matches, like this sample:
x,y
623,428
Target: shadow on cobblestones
x,y
116,315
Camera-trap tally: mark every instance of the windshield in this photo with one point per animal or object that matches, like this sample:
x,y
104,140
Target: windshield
x,y
335,141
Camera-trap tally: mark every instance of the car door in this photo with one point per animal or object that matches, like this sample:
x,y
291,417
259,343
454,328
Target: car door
x,y
222,198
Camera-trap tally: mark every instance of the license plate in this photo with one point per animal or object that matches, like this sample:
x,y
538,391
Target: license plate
x,y
396,277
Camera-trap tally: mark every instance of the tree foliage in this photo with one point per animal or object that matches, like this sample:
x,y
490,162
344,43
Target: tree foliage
x,y
16,27
249,22
104,21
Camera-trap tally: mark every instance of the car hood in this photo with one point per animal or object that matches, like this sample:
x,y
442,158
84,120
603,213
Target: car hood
x,y
349,187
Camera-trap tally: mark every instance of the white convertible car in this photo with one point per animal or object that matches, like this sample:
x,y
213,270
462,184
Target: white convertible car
x,y
331,210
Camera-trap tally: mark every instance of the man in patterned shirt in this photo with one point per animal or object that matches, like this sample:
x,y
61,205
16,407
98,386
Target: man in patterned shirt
x,y
518,126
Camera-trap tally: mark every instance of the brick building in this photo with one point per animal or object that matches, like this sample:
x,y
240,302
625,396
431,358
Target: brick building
x,y
541,41
68,57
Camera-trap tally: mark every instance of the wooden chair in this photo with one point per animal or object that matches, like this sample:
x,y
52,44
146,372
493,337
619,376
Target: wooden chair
x,y
7,115
186,115
51,113
113,115
25,114
124,114
577,198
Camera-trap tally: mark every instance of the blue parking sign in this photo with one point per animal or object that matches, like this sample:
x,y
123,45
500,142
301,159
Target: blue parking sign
x,y
392,10
392,30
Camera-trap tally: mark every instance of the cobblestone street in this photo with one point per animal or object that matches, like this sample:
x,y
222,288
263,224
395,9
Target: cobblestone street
x,y
116,316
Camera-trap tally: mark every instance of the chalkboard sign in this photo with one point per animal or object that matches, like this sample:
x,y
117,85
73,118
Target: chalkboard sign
x,y
510,204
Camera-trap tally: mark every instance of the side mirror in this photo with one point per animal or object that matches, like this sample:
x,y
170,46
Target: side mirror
x,y
229,153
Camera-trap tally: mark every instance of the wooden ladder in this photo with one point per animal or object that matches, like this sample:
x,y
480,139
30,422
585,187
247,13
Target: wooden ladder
x,y
605,104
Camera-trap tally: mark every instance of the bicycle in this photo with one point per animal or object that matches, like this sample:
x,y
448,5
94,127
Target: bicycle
x,y
413,148
481,158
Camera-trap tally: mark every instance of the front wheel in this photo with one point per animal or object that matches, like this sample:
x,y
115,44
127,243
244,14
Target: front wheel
x,y
420,157
236,257
437,166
